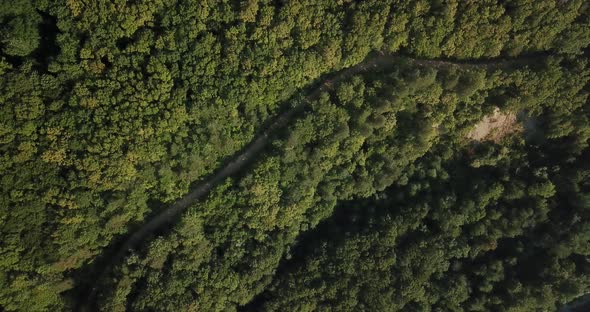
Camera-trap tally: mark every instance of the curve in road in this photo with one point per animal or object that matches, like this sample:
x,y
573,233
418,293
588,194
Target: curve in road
x,y
242,158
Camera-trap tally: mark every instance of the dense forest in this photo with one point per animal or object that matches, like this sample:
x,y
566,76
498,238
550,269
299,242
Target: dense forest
x,y
305,155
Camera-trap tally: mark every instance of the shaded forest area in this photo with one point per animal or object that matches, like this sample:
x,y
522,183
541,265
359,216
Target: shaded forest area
x,y
371,198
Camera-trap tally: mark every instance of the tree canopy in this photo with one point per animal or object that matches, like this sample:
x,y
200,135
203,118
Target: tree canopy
x,y
370,196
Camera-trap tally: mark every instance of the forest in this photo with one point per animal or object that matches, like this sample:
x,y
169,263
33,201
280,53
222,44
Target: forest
x,y
294,155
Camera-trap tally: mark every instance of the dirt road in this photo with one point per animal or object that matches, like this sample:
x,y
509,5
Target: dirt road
x,y
237,163
240,160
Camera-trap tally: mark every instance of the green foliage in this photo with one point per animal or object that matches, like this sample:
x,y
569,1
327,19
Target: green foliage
x,y
499,237
19,35
110,110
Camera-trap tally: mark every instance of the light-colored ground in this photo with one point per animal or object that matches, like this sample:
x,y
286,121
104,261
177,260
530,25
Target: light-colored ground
x,y
494,127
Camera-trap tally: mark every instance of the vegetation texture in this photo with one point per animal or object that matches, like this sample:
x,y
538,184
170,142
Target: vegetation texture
x,y
310,155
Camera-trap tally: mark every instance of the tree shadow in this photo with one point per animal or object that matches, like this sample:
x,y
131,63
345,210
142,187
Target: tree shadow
x,y
48,48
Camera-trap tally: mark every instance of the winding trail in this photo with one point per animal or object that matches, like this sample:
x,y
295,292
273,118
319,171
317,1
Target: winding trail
x,y
532,58
241,159
238,162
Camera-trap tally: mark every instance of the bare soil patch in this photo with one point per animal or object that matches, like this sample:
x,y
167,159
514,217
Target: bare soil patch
x,y
496,126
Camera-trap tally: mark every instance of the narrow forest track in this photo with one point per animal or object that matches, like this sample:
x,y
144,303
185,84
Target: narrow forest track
x,y
241,159
238,162
488,63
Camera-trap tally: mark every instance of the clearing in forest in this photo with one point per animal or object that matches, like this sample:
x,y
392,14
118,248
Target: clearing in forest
x,y
496,126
